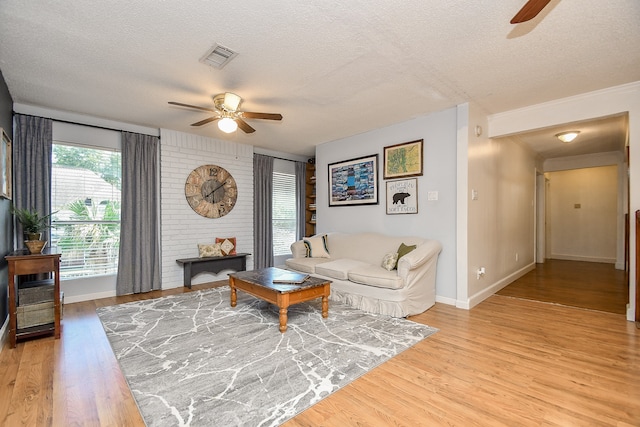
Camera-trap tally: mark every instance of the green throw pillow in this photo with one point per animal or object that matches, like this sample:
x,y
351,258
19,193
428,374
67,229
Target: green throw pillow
x,y
403,250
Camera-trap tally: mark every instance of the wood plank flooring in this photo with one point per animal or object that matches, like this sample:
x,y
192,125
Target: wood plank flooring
x,y
506,362
592,285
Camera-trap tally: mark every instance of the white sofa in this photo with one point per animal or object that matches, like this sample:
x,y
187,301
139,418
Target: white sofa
x,y
354,265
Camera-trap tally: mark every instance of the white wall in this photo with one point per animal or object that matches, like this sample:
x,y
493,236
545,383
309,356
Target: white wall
x,y
434,220
501,219
583,214
182,228
617,100
622,181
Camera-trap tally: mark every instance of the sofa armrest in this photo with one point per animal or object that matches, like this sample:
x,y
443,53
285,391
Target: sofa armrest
x,y
298,249
419,256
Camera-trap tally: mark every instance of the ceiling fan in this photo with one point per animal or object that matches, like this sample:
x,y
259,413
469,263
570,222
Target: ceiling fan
x,y
529,11
226,109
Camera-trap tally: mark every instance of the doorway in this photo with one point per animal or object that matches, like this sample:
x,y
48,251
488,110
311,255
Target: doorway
x,y
577,255
579,261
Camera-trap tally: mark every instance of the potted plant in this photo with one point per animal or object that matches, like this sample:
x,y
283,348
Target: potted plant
x,y
33,224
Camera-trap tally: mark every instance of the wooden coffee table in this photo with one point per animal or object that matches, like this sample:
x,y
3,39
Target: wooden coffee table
x,y
259,283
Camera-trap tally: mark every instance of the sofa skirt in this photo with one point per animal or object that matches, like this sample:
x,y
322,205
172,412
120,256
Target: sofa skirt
x,y
369,304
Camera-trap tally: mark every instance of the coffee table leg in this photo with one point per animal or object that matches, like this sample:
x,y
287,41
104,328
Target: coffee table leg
x,y
283,319
234,295
325,306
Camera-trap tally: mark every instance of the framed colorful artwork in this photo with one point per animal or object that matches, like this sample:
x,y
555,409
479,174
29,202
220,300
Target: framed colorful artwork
x,y
354,182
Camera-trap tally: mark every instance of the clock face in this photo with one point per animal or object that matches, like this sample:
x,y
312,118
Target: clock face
x,y
211,191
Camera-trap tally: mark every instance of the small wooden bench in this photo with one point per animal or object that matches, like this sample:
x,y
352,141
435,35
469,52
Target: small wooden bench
x,y
194,266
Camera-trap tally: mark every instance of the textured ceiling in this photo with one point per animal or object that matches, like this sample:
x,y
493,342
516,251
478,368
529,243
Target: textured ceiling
x,y
332,68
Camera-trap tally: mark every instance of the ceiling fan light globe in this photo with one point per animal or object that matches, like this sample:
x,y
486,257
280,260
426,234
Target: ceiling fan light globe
x,y
227,125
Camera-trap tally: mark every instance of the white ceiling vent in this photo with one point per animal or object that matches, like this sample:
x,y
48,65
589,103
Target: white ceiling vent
x,y
218,56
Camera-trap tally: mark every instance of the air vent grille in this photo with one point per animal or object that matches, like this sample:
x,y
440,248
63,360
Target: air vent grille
x,y
218,56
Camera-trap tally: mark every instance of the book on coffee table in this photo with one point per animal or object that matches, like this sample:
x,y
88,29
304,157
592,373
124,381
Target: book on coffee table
x,y
290,277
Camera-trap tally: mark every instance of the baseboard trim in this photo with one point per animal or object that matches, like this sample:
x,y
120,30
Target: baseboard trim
x,y
565,257
446,300
88,297
487,292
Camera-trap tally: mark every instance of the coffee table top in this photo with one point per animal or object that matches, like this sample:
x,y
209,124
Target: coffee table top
x,y
264,277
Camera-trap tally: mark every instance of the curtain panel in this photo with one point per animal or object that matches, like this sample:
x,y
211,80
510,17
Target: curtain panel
x,y
262,211
139,256
32,164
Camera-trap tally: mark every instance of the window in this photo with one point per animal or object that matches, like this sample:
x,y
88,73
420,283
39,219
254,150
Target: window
x,y
85,199
284,212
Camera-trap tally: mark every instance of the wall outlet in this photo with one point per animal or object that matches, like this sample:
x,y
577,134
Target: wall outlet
x,y
480,272
517,257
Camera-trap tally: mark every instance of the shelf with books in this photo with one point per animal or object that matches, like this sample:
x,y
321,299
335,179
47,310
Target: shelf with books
x,y
310,215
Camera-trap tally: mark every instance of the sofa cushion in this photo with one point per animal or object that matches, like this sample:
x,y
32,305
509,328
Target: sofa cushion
x,y
339,269
376,276
305,265
316,246
366,247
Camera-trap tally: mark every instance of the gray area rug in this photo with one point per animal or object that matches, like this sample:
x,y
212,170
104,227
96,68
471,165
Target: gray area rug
x,y
192,360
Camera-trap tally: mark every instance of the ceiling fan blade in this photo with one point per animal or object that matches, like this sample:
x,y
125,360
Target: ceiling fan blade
x,y
529,11
205,121
192,106
244,126
264,116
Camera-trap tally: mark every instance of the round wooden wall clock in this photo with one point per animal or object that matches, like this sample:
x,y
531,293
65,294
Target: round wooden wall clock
x,y
211,191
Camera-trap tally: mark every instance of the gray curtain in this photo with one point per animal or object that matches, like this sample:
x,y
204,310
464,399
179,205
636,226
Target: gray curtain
x,y
139,258
301,198
262,211
32,142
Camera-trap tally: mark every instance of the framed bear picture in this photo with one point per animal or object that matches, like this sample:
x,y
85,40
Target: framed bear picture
x,y
402,196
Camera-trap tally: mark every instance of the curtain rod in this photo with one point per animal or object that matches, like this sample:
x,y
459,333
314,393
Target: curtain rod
x,y
80,124
281,158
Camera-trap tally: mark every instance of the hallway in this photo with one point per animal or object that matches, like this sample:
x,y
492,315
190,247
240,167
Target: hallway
x,y
590,285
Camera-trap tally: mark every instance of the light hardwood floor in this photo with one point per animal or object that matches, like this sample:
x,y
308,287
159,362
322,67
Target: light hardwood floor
x,y
592,285
506,362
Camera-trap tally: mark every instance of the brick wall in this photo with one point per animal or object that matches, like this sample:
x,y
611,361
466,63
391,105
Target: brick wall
x,y
182,228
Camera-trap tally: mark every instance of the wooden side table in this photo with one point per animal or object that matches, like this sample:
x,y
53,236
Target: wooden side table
x,y
22,263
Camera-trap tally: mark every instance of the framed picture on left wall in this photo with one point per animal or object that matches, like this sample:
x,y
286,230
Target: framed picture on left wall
x,y
354,182
5,166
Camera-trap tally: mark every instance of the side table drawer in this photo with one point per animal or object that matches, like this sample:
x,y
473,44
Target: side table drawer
x,y
35,266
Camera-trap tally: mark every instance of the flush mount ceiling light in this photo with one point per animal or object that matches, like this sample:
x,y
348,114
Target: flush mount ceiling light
x,y
227,125
567,136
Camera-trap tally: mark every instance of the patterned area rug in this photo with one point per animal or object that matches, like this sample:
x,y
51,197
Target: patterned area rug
x,y
192,360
